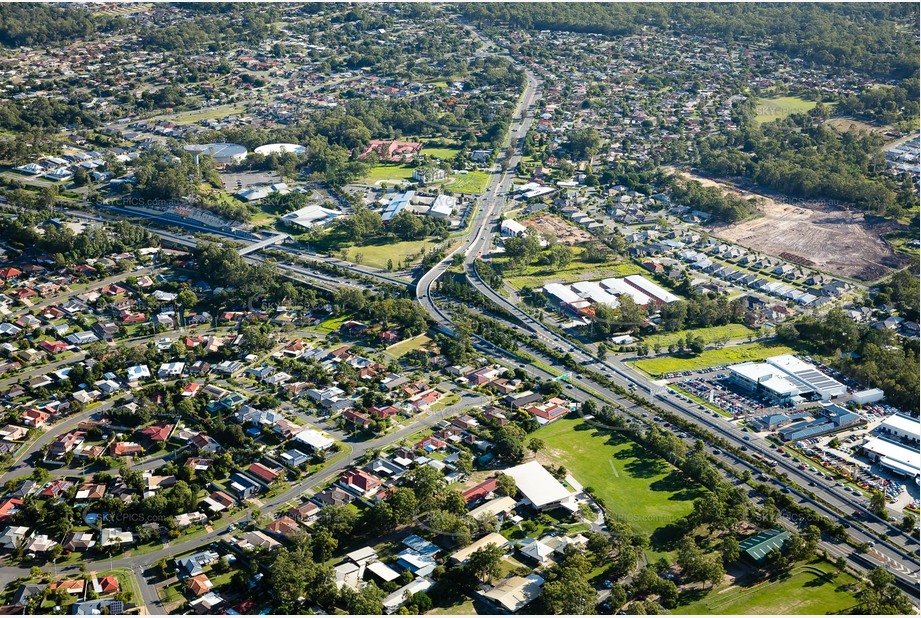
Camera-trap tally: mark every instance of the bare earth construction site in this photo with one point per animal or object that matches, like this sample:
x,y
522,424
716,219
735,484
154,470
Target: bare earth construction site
x,y
822,234
834,239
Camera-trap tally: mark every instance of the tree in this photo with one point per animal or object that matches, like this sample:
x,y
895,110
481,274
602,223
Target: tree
x,y
879,594
730,550
427,484
509,443
878,504
506,485
569,593
485,563
364,602
324,544
403,504
337,519
535,444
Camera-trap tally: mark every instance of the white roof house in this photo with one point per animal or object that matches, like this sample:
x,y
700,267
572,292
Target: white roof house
x,y
314,439
539,487
493,538
496,506
516,592
397,598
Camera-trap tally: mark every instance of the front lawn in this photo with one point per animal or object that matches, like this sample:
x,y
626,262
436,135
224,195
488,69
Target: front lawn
x,y
711,358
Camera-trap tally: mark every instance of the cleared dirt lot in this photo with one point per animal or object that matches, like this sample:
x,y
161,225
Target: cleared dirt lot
x,y
834,239
565,232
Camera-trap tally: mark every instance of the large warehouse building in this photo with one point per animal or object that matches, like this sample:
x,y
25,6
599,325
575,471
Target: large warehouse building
x,y
223,154
785,379
577,297
898,458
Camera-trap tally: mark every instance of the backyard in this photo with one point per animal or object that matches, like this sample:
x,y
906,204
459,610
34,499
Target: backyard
x,y
710,358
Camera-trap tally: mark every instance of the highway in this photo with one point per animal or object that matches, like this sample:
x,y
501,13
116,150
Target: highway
x,y
836,504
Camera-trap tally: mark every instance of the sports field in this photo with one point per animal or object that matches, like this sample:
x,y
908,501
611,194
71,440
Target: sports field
x,y
635,485
781,107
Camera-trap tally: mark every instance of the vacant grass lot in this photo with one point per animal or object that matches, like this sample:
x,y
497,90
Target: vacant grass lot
x,y
805,591
445,154
535,276
383,172
634,484
781,107
405,347
711,334
407,252
471,182
711,358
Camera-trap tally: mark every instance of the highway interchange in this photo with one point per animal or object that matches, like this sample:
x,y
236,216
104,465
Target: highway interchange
x,y
897,553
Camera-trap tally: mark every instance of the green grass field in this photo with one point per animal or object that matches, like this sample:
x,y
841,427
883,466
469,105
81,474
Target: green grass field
x,y
711,358
471,182
213,114
377,256
711,334
805,591
634,484
405,347
780,107
388,172
445,154
535,276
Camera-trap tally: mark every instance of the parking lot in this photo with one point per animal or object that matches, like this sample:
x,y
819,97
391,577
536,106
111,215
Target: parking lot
x,y
712,386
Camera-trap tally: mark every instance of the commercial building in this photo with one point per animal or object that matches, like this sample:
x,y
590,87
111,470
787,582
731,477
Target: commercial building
x,y
311,216
396,205
270,149
539,488
898,458
902,428
758,547
831,418
871,395
222,153
785,379
577,298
